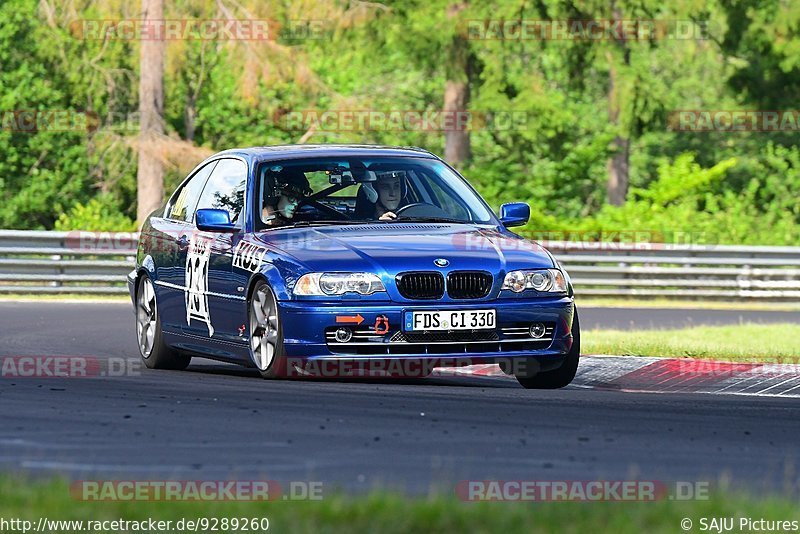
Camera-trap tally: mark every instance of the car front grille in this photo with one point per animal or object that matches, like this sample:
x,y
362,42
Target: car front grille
x,y
430,285
514,337
421,285
469,284
440,337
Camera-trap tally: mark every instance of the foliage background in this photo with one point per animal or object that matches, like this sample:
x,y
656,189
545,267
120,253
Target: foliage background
x,y
717,186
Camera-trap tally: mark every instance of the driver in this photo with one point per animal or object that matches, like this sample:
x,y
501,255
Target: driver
x,y
287,192
389,186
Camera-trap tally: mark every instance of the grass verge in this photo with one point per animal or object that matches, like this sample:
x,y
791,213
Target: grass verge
x,y
388,512
747,342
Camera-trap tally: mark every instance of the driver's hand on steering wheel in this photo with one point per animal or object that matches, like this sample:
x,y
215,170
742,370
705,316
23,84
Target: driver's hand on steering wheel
x,y
388,216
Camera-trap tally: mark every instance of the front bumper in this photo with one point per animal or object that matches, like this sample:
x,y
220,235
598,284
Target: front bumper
x,y
308,328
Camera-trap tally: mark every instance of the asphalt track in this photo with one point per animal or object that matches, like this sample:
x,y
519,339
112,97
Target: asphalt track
x,y
216,421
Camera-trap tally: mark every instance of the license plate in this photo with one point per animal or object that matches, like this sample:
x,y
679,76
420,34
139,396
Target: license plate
x,y
450,320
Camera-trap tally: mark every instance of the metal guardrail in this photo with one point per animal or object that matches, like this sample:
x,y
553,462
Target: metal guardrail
x,y
34,262
693,271
89,262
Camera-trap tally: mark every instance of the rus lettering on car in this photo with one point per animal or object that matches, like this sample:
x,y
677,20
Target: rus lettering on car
x,y
248,256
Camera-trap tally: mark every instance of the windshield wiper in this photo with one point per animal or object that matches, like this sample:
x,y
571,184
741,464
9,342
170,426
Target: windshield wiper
x,y
335,222
431,219
299,224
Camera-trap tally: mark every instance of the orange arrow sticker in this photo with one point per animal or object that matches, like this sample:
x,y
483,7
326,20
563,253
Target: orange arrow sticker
x,y
352,319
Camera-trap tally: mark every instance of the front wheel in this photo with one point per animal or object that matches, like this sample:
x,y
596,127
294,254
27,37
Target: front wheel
x,y
266,335
558,378
155,353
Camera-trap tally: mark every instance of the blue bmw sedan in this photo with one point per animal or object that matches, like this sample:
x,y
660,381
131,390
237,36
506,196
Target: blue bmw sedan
x,y
334,260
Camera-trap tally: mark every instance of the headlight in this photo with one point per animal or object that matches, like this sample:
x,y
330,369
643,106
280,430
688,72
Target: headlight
x,y
338,284
542,280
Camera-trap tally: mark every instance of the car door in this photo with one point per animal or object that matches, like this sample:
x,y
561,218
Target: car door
x,y
169,253
215,308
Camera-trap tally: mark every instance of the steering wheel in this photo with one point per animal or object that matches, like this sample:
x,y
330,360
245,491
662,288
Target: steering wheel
x,y
323,208
420,209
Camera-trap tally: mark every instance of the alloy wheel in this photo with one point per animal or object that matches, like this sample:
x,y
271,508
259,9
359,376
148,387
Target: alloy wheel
x,y
263,328
146,317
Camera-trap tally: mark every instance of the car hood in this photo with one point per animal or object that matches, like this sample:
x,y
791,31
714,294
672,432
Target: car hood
x,y
398,247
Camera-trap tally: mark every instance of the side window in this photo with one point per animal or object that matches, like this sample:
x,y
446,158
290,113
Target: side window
x,y
225,188
182,207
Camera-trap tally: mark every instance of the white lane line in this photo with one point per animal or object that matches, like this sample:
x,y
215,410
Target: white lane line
x,y
28,444
757,384
784,394
779,384
735,383
70,466
766,383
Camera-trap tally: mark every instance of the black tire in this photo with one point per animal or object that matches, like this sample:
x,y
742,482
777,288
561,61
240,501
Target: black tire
x,y
563,376
159,355
274,367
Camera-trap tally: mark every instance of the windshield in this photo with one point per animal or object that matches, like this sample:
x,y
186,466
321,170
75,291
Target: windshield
x,y
355,190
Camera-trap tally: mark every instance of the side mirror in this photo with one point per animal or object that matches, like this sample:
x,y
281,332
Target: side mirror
x,y
515,214
214,220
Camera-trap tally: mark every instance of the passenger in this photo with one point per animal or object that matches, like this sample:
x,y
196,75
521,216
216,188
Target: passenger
x,y
287,192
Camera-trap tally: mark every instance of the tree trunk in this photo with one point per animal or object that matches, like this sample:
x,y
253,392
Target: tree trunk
x,y
617,165
457,150
150,175
189,117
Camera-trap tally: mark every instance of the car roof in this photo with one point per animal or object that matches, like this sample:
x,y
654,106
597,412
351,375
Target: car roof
x,y
270,153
